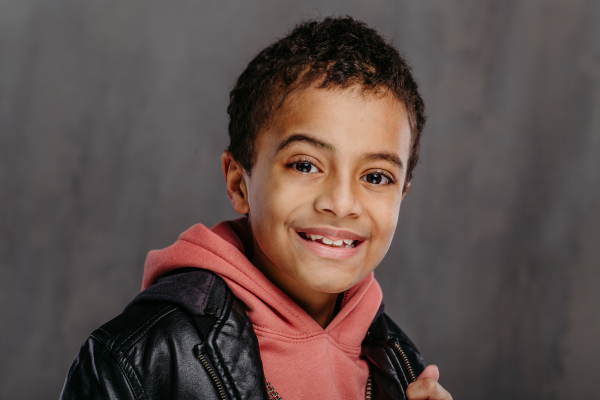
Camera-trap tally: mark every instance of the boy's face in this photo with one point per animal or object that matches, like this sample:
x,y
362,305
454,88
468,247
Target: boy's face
x,y
331,166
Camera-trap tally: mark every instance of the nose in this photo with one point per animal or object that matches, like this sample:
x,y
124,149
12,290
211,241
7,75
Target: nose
x,y
339,197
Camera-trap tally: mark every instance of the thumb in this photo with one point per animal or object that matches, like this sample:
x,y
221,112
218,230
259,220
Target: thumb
x,y
431,371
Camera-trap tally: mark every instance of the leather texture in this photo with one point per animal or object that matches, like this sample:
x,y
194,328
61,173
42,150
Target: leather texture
x,y
188,337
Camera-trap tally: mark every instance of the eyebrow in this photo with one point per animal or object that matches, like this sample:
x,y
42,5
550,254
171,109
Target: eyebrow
x,y
301,137
391,157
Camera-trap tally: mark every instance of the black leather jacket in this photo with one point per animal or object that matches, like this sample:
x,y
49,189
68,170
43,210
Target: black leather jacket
x,y
188,337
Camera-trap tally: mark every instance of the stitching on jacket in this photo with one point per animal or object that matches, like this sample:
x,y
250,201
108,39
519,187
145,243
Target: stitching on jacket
x,y
210,288
119,361
145,328
218,353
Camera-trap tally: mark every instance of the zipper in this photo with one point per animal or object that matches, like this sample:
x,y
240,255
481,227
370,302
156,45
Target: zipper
x,y
201,355
405,361
369,391
273,395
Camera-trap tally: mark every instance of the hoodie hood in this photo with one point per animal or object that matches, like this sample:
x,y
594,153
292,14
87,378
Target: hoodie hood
x,y
300,358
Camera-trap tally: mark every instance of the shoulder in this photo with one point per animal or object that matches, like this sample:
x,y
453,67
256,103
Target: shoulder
x,y
144,324
178,304
149,347
185,304
135,323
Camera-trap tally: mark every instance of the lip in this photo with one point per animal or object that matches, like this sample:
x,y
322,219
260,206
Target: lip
x,y
325,251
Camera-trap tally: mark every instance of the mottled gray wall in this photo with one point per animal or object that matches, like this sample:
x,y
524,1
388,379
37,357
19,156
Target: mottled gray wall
x,y
113,118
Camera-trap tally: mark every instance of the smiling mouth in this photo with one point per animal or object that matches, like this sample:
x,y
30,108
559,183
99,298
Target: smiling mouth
x,y
342,243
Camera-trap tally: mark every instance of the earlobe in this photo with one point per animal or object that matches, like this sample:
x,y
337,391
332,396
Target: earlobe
x,y
235,183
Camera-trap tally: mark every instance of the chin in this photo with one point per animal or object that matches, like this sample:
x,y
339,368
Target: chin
x,y
321,282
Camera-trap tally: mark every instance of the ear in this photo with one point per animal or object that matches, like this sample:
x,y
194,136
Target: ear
x,y
406,187
235,182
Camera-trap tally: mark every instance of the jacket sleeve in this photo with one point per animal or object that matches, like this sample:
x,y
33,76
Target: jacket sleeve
x,y
96,374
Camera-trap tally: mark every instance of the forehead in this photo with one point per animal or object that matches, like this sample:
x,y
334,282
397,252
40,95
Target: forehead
x,y
349,120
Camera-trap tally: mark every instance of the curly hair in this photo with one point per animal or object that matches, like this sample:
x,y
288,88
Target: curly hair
x,y
333,52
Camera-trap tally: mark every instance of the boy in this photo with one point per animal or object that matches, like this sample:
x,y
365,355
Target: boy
x,y
282,304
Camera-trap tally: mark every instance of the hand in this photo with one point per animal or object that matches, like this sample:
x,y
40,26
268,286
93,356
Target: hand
x,y
427,387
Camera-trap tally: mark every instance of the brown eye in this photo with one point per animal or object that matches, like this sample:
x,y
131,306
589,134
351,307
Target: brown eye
x,y
376,178
305,167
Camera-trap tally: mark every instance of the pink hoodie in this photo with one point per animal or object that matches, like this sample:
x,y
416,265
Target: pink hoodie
x,y
301,360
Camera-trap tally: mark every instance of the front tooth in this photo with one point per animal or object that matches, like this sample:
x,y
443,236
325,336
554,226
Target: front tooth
x,y
312,237
348,242
338,243
318,237
327,240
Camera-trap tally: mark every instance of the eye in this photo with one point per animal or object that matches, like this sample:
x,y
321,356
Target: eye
x,y
305,167
377,178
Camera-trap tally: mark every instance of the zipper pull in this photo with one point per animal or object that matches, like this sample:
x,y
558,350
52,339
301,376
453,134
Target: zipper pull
x,y
199,349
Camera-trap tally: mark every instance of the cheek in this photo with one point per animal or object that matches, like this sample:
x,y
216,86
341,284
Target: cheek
x,y
272,201
385,218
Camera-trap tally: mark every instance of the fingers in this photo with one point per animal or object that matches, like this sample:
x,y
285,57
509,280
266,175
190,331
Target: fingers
x,y
426,387
432,372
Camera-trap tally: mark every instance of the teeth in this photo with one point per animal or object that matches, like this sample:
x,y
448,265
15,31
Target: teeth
x,y
329,242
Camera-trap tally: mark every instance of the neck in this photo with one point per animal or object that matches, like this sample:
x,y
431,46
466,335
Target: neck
x,y
320,306
321,310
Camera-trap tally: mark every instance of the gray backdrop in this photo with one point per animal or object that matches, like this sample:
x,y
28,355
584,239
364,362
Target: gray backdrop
x,y
113,119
